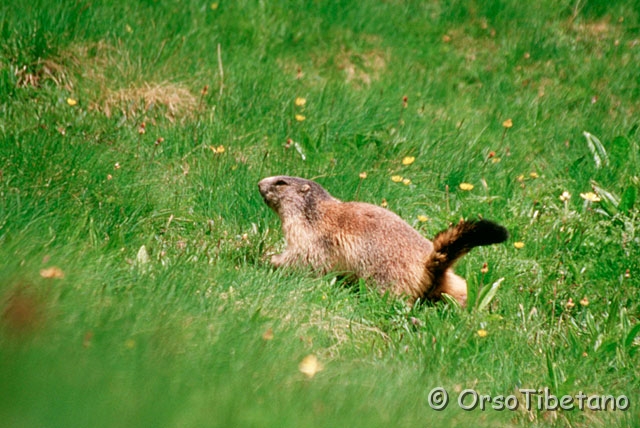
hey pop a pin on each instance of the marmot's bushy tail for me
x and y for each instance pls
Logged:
(453, 243)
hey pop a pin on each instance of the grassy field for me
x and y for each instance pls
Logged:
(135, 288)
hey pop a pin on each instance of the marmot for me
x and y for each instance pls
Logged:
(370, 242)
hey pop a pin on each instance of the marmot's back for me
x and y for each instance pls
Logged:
(373, 242)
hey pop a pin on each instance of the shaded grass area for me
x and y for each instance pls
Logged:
(132, 137)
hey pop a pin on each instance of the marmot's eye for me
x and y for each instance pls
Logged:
(280, 183)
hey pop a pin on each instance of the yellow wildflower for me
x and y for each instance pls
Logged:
(584, 301)
(518, 244)
(406, 181)
(53, 272)
(408, 160)
(534, 175)
(507, 123)
(310, 365)
(423, 218)
(565, 196)
(466, 186)
(397, 178)
(482, 332)
(72, 101)
(590, 196)
(300, 102)
(300, 117)
(363, 175)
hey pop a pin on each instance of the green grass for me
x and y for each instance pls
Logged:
(179, 340)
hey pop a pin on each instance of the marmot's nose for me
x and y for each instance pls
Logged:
(262, 186)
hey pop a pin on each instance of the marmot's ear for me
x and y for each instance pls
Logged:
(305, 188)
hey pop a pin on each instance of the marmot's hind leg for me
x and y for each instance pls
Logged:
(452, 284)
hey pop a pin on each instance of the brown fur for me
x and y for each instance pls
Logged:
(370, 242)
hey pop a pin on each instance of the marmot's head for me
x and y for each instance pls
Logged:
(292, 196)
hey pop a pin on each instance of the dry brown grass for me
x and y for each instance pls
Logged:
(594, 29)
(91, 70)
(172, 100)
(46, 70)
(599, 34)
(101, 67)
(362, 68)
(359, 68)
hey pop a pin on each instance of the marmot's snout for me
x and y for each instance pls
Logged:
(263, 186)
(269, 190)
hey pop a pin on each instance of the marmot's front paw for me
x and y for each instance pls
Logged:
(278, 260)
